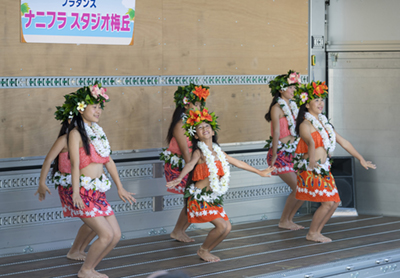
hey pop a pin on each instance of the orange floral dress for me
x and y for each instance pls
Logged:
(311, 186)
(201, 211)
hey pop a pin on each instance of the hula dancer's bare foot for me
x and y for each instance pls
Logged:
(207, 256)
(318, 238)
(181, 236)
(325, 239)
(290, 225)
(88, 273)
(100, 275)
(77, 256)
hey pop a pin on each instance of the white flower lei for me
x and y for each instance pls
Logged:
(98, 139)
(289, 148)
(101, 184)
(329, 141)
(299, 163)
(174, 159)
(288, 114)
(218, 186)
(63, 180)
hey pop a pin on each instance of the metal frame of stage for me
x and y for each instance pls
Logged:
(362, 247)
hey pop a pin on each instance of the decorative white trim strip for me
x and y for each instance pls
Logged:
(134, 81)
(254, 161)
(236, 195)
(20, 180)
(54, 215)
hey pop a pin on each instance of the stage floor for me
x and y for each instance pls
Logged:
(250, 249)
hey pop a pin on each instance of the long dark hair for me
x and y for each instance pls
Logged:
(194, 148)
(274, 101)
(300, 117)
(63, 131)
(78, 122)
(176, 117)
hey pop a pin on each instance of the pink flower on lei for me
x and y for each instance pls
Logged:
(103, 93)
(294, 78)
(95, 91)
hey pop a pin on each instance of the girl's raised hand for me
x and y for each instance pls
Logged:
(367, 164)
(42, 189)
(267, 172)
(126, 196)
(173, 183)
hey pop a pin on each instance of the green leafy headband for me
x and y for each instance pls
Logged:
(307, 92)
(78, 101)
(281, 82)
(191, 94)
(195, 117)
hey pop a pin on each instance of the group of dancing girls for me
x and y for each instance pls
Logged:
(300, 148)
(299, 153)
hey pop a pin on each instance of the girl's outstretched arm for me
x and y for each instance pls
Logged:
(57, 147)
(351, 150)
(188, 167)
(243, 165)
(122, 193)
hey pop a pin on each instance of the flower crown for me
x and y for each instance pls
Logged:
(307, 92)
(281, 82)
(78, 101)
(195, 117)
(191, 94)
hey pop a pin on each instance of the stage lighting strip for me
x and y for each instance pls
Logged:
(134, 81)
(226, 249)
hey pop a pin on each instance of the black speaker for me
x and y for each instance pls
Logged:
(343, 172)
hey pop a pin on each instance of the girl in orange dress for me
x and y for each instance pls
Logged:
(179, 150)
(318, 141)
(211, 179)
(281, 146)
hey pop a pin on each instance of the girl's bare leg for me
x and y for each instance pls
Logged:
(87, 241)
(75, 253)
(327, 217)
(112, 220)
(179, 232)
(292, 204)
(320, 215)
(214, 237)
(105, 232)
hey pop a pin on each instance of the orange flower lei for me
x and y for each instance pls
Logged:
(201, 92)
(195, 117)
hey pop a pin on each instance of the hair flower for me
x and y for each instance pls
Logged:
(304, 97)
(78, 101)
(281, 82)
(81, 106)
(307, 92)
(191, 94)
(195, 117)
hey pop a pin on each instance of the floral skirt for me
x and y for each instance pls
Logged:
(283, 163)
(171, 174)
(316, 188)
(202, 212)
(95, 203)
